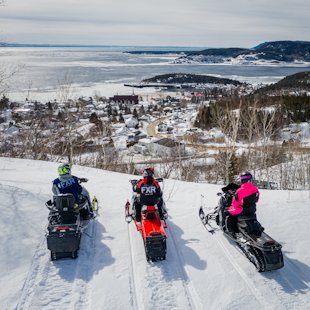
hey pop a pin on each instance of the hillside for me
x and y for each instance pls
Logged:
(202, 271)
(182, 78)
(296, 82)
(271, 52)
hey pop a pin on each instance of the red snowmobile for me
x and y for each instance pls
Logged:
(152, 228)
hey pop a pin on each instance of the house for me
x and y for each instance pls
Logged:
(131, 122)
(167, 147)
(145, 146)
(162, 127)
(131, 99)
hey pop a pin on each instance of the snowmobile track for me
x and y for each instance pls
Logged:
(81, 287)
(133, 281)
(190, 291)
(259, 297)
(38, 268)
(274, 297)
(62, 283)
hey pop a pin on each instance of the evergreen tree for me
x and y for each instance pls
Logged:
(4, 102)
(135, 113)
(141, 111)
(121, 118)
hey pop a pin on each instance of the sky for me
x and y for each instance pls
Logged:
(205, 23)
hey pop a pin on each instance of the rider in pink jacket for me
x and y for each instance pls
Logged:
(246, 197)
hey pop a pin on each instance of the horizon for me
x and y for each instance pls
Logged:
(17, 44)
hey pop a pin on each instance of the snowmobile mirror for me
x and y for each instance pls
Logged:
(159, 179)
(219, 194)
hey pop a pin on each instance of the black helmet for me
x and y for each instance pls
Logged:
(148, 172)
(245, 177)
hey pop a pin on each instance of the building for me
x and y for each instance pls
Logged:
(168, 147)
(130, 99)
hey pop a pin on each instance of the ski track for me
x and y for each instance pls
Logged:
(133, 281)
(165, 284)
(60, 284)
(191, 294)
(249, 283)
(277, 282)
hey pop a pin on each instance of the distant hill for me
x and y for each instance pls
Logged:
(182, 78)
(277, 51)
(297, 82)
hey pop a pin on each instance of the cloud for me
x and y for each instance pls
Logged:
(161, 22)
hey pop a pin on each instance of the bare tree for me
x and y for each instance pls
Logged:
(65, 95)
(229, 122)
(266, 131)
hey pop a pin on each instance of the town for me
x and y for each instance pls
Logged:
(175, 130)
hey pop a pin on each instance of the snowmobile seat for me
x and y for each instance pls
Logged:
(247, 217)
(250, 226)
(150, 216)
(64, 203)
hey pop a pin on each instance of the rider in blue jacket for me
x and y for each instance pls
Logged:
(69, 184)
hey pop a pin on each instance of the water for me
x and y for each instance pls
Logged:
(106, 69)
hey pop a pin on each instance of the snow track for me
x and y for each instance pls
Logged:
(256, 293)
(191, 294)
(161, 284)
(61, 284)
(275, 289)
(133, 281)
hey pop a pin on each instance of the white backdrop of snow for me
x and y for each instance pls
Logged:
(202, 271)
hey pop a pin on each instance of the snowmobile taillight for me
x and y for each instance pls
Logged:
(62, 228)
(155, 233)
(270, 242)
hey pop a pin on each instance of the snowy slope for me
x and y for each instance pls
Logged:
(202, 271)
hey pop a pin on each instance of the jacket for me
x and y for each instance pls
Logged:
(245, 199)
(67, 184)
(150, 192)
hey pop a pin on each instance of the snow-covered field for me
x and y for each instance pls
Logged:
(202, 271)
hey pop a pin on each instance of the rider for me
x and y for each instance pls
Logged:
(69, 184)
(149, 193)
(243, 207)
(245, 198)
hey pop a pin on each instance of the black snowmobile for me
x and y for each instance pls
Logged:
(248, 234)
(66, 222)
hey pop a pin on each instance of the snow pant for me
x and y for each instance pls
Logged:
(85, 210)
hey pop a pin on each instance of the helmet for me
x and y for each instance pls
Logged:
(245, 177)
(148, 172)
(64, 169)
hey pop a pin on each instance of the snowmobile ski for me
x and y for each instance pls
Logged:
(205, 221)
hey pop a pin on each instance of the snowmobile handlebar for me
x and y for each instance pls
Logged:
(135, 181)
(83, 180)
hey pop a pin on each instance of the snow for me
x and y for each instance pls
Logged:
(202, 271)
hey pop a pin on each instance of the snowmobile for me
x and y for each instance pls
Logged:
(151, 227)
(262, 250)
(66, 223)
